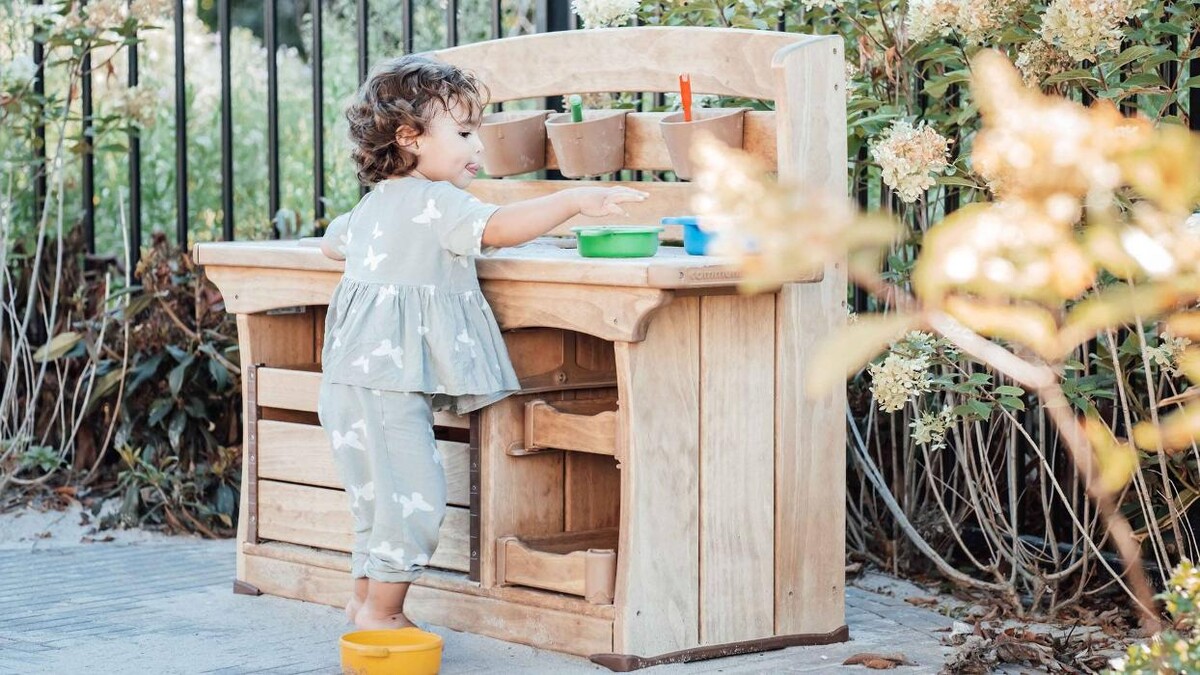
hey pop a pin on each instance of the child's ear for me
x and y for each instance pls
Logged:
(406, 137)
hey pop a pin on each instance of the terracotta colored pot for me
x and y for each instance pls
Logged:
(591, 147)
(514, 142)
(724, 124)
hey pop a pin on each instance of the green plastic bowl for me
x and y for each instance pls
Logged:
(617, 242)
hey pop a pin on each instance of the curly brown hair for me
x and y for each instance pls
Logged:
(408, 90)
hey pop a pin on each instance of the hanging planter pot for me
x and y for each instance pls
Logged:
(591, 147)
(724, 124)
(514, 142)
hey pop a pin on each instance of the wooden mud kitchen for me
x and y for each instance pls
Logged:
(663, 488)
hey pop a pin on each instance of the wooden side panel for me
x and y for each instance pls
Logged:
(658, 576)
(269, 340)
(320, 517)
(300, 453)
(592, 492)
(737, 458)
(540, 627)
(519, 495)
(810, 452)
(289, 388)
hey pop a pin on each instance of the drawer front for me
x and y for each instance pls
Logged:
(320, 517)
(575, 563)
(300, 453)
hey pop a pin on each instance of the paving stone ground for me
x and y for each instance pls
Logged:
(155, 604)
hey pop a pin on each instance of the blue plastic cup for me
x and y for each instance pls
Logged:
(695, 240)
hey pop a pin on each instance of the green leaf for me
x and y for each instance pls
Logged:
(1134, 53)
(1080, 75)
(1009, 390)
(937, 86)
(1012, 403)
(57, 346)
(176, 427)
(159, 410)
(175, 377)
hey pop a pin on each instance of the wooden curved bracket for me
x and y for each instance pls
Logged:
(612, 314)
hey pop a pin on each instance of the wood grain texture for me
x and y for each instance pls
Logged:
(300, 453)
(453, 605)
(724, 61)
(519, 495)
(620, 315)
(320, 517)
(265, 340)
(658, 576)
(737, 460)
(810, 449)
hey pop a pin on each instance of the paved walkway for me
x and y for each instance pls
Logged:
(165, 605)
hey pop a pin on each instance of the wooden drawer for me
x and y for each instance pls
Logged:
(297, 387)
(300, 453)
(582, 425)
(320, 517)
(575, 563)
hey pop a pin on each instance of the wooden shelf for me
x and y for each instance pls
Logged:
(575, 563)
(581, 425)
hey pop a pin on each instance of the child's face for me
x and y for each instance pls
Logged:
(450, 148)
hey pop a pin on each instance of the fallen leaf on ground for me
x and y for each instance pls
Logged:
(922, 601)
(878, 661)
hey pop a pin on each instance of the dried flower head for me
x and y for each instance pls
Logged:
(1038, 59)
(897, 379)
(104, 15)
(1086, 28)
(973, 20)
(930, 428)
(909, 156)
(150, 11)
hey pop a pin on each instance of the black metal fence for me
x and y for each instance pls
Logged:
(550, 15)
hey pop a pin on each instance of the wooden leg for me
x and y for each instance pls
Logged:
(658, 558)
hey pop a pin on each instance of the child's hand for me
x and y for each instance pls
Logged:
(598, 201)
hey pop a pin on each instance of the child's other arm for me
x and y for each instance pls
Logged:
(519, 222)
(333, 244)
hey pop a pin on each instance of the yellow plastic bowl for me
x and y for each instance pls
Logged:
(410, 651)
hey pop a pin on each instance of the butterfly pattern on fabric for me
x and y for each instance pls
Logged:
(385, 348)
(364, 492)
(410, 503)
(430, 214)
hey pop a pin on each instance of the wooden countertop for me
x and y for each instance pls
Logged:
(671, 268)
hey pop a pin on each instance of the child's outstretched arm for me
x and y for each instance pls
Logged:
(519, 222)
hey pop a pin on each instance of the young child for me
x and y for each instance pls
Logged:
(408, 331)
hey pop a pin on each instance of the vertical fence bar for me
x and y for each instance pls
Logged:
(88, 159)
(451, 23)
(135, 172)
(318, 95)
(1194, 92)
(39, 131)
(363, 34)
(408, 14)
(223, 27)
(497, 20)
(271, 36)
(181, 195)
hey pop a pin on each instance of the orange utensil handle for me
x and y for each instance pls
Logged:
(685, 94)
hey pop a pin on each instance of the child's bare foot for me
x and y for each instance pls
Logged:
(366, 621)
(358, 598)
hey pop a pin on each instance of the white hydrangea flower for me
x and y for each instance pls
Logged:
(104, 14)
(1086, 28)
(930, 428)
(928, 19)
(831, 4)
(151, 11)
(602, 13)
(1166, 355)
(897, 379)
(18, 73)
(908, 156)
